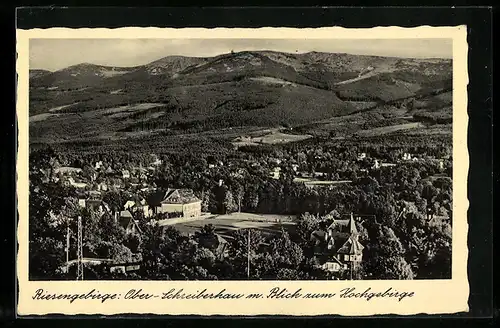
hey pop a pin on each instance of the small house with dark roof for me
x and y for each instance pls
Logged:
(217, 244)
(175, 201)
(126, 221)
(98, 206)
(138, 204)
(126, 174)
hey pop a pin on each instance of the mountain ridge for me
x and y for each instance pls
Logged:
(267, 88)
(314, 54)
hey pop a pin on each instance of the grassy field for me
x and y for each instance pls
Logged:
(41, 117)
(270, 139)
(389, 129)
(225, 224)
(438, 129)
(130, 108)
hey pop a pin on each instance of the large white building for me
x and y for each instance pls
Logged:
(176, 201)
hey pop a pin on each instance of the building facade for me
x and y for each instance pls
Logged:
(181, 202)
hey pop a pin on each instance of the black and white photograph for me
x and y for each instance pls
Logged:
(240, 159)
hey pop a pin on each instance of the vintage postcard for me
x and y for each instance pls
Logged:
(270, 171)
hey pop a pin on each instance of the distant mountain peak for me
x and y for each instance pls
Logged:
(34, 73)
(81, 65)
(171, 65)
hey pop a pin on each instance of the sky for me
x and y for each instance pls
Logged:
(55, 54)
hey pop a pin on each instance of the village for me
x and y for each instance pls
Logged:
(336, 246)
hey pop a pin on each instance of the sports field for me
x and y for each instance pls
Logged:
(224, 224)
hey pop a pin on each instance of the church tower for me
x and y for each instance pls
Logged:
(351, 251)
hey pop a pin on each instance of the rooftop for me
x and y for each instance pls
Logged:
(172, 196)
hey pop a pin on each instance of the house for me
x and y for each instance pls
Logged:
(129, 204)
(362, 156)
(378, 164)
(87, 262)
(407, 157)
(275, 173)
(222, 249)
(102, 186)
(75, 184)
(67, 170)
(319, 174)
(138, 205)
(343, 239)
(98, 165)
(338, 247)
(126, 221)
(82, 202)
(333, 265)
(126, 174)
(94, 194)
(98, 206)
(181, 201)
(217, 244)
(124, 267)
(276, 161)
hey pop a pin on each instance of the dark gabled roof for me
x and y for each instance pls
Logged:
(352, 246)
(333, 259)
(172, 196)
(318, 236)
(125, 222)
(179, 196)
(126, 214)
(216, 242)
(347, 226)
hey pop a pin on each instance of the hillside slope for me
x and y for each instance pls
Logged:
(179, 94)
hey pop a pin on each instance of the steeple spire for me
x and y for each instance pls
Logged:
(352, 226)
